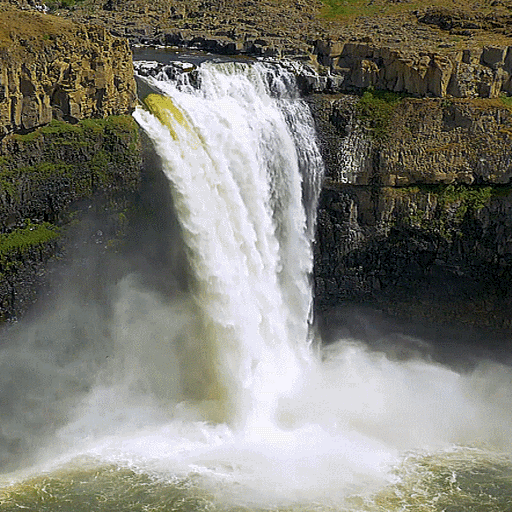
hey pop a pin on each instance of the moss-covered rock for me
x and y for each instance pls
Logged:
(47, 179)
(41, 173)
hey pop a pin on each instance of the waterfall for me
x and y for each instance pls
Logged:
(238, 147)
(210, 397)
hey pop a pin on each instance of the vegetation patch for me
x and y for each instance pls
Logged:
(94, 154)
(346, 8)
(473, 198)
(24, 239)
(448, 207)
(83, 131)
(350, 9)
(507, 101)
(375, 108)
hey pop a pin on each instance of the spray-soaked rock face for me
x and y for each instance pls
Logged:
(415, 211)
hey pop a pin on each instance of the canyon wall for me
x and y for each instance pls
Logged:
(68, 146)
(470, 72)
(51, 68)
(416, 212)
(422, 52)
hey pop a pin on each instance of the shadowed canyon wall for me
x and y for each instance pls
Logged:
(418, 220)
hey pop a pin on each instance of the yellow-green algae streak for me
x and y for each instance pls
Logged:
(164, 109)
(172, 117)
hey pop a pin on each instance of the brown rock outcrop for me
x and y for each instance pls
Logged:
(53, 172)
(54, 68)
(485, 73)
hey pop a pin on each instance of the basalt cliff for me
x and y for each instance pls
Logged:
(67, 142)
(55, 69)
(418, 219)
(412, 111)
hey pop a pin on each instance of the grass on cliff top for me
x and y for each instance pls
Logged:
(31, 29)
(116, 124)
(350, 9)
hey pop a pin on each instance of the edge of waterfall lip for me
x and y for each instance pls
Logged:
(307, 79)
(166, 54)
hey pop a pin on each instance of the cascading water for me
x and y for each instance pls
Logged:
(214, 399)
(228, 148)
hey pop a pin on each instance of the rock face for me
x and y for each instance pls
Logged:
(425, 141)
(419, 221)
(49, 180)
(485, 72)
(51, 68)
(67, 143)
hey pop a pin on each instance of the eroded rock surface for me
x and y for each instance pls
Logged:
(51, 68)
(419, 221)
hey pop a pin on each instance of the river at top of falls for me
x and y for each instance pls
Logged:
(217, 398)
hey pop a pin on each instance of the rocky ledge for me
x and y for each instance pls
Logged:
(52, 68)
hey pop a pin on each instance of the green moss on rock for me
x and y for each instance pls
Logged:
(441, 208)
(49, 180)
(24, 239)
(375, 108)
(63, 162)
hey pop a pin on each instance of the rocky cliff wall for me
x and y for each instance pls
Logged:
(461, 73)
(51, 68)
(67, 144)
(50, 180)
(416, 212)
